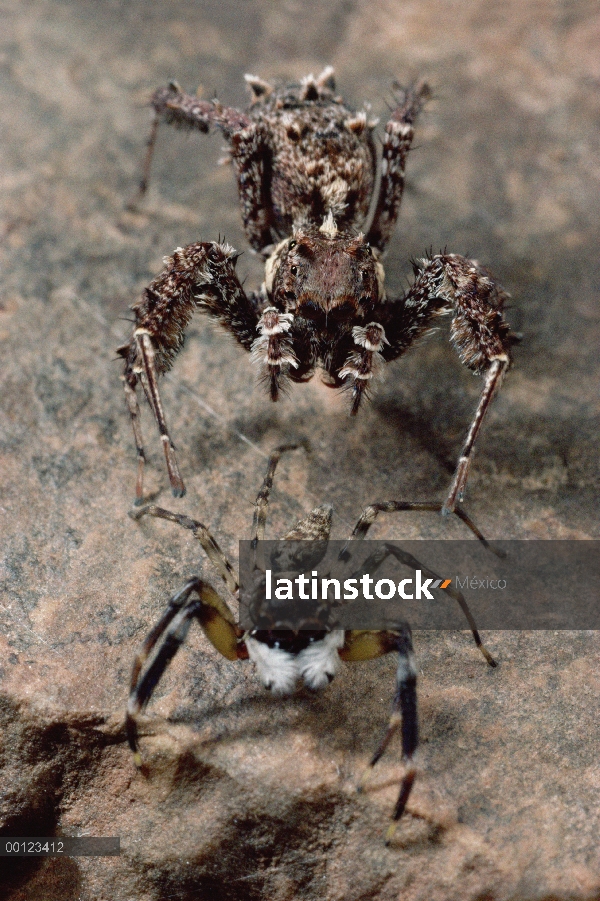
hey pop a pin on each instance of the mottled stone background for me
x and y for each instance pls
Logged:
(246, 797)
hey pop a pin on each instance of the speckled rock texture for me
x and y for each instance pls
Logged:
(243, 796)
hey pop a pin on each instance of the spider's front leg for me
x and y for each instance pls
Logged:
(196, 600)
(451, 284)
(247, 145)
(197, 277)
(364, 645)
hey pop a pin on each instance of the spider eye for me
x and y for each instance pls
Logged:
(365, 275)
(292, 244)
(294, 270)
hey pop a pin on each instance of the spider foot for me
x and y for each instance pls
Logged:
(407, 784)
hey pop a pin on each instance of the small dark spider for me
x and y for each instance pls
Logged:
(306, 168)
(283, 657)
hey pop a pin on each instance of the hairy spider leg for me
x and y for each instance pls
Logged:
(493, 379)
(247, 147)
(370, 514)
(149, 379)
(197, 277)
(448, 284)
(273, 348)
(399, 133)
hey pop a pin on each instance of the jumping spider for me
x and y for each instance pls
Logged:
(306, 172)
(282, 657)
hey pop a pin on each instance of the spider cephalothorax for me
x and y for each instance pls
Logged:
(305, 165)
(323, 275)
(310, 652)
(323, 289)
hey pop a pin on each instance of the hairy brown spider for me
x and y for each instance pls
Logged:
(282, 657)
(306, 171)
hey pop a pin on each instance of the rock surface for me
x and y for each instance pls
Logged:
(245, 797)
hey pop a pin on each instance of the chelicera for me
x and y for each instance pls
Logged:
(283, 657)
(306, 171)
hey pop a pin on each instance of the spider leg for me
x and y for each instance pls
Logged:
(149, 378)
(363, 645)
(197, 277)
(368, 517)
(133, 202)
(458, 596)
(166, 638)
(129, 383)
(313, 528)
(209, 545)
(370, 514)
(262, 499)
(493, 379)
(366, 645)
(451, 284)
(399, 133)
(247, 144)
